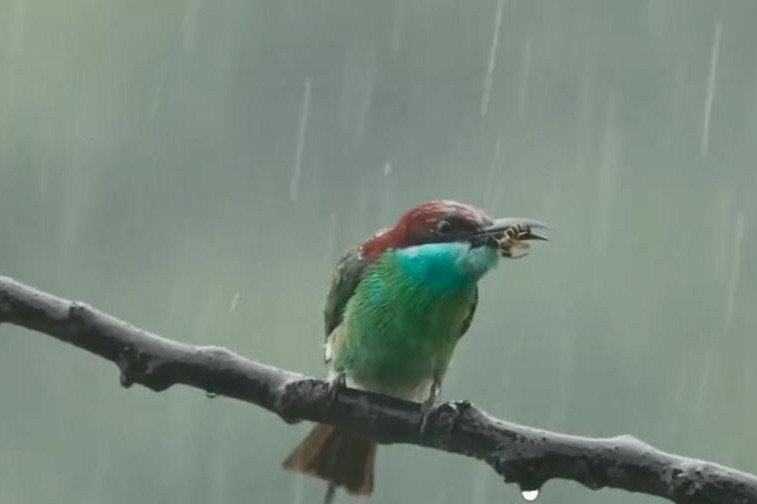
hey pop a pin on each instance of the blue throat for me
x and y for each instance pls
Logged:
(449, 266)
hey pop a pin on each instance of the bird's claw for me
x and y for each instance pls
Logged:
(426, 408)
(429, 404)
(336, 383)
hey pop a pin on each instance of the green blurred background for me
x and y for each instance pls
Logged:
(197, 167)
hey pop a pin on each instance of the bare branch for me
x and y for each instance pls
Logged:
(523, 455)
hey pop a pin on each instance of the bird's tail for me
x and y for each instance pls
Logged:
(339, 457)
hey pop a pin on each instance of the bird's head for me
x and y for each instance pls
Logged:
(440, 221)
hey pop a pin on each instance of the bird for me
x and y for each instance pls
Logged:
(397, 306)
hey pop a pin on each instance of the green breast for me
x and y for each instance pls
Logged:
(402, 323)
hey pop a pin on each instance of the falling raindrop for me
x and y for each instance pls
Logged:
(331, 238)
(158, 95)
(530, 495)
(607, 179)
(492, 59)
(735, 272)
(234, 302)
(525, 79)
(302, 128)
(398, 26)
(491, 176)
(190, 24)
(18, 26)
(715, 52)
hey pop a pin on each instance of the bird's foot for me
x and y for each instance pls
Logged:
(428, 405)
(337, 382)
(426, 408)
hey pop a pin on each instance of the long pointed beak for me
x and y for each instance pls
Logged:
(522, 226)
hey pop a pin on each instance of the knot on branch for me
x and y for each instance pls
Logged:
(301, 396)
(520, 459)
(215, 358)
(687, 480)
(79, 313)
(140, 367)
(517, 467)
(80, 320)
(447, 418)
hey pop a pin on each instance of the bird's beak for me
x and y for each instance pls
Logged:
(519, 227)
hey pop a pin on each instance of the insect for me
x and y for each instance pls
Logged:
(513, 243)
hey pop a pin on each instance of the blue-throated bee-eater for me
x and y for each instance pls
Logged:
(397, 307)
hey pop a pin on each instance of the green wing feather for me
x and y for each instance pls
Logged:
(349, 272)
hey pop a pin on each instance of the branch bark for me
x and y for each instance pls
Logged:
(523, 455)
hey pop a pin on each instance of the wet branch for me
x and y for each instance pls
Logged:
(523, 455)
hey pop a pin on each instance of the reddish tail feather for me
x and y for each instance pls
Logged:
(341, 458)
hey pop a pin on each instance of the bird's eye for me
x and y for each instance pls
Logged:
(443, 227)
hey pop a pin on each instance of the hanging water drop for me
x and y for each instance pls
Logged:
(530, 495)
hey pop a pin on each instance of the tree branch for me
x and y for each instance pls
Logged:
(523, 455)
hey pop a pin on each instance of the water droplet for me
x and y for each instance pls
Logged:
(530, 495)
